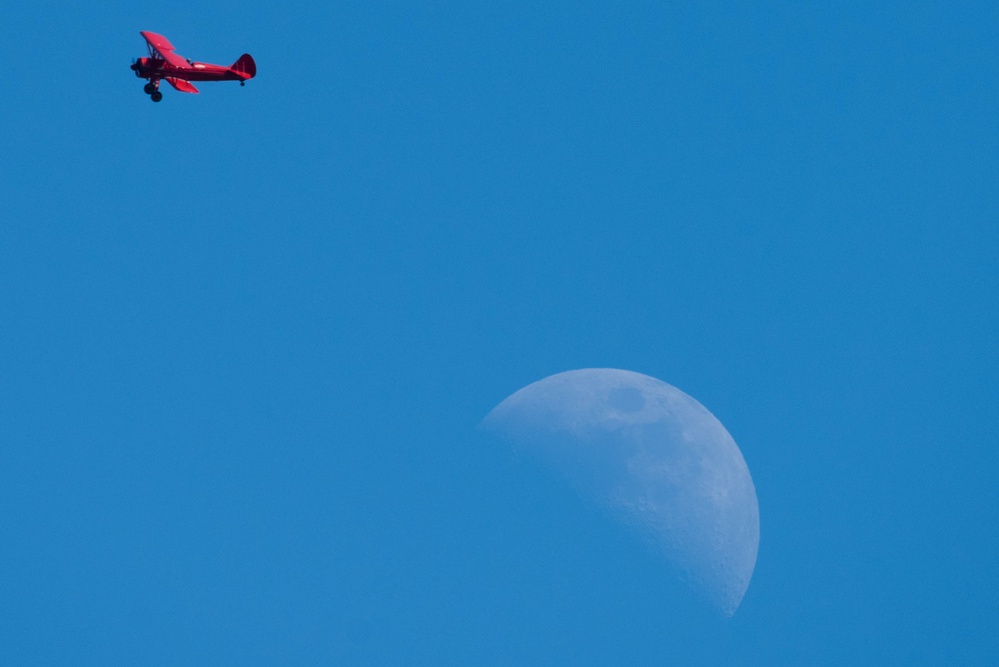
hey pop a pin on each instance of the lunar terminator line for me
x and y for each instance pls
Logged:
(164, 63)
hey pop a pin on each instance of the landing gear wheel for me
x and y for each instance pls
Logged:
(156, 96)
(149, 89)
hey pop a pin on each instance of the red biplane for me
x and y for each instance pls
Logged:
(179, 72)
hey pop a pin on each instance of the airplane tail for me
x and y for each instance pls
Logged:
(245, 67)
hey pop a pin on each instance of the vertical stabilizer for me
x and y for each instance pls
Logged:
(245, 67)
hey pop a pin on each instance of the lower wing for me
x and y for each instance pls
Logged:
(181, 85)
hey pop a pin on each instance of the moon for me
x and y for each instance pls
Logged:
(656, 459)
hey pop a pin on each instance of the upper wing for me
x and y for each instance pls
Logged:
(164, 49)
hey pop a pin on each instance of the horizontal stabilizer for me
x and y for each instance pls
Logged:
(181, 85)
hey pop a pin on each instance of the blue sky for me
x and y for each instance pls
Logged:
(246, 336)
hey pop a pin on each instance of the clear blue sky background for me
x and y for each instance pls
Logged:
(246, 336)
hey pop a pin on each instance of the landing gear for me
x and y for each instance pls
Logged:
(153, 90)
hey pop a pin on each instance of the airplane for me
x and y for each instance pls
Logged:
(164, 64)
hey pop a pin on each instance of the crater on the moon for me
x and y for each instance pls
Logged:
(626, 399)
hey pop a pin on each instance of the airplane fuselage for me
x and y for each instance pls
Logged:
(153, 68)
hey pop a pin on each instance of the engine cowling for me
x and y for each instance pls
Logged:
(139, 66)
